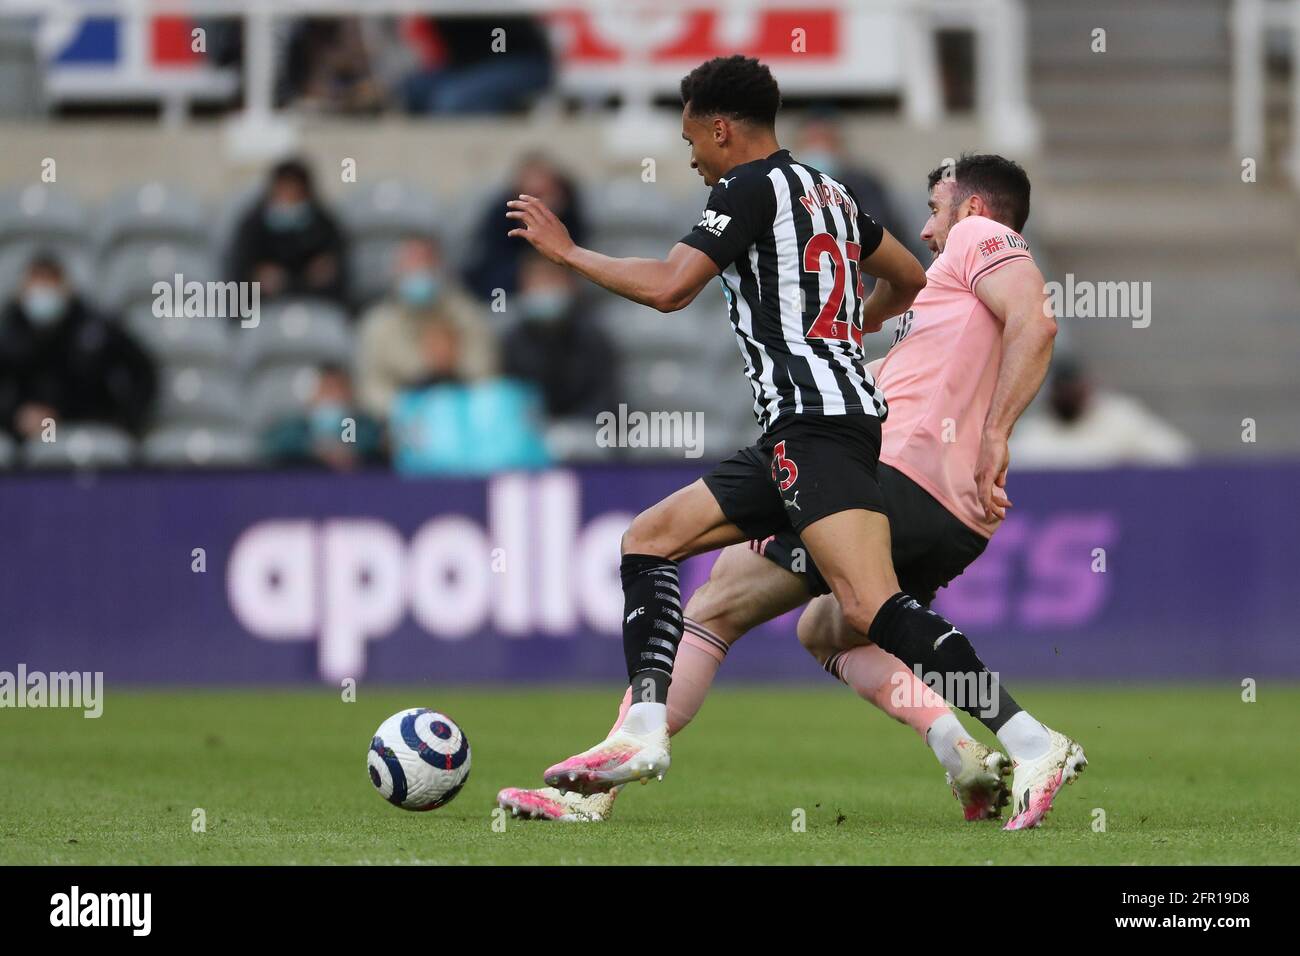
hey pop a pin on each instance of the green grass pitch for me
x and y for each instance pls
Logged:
(1184, 775)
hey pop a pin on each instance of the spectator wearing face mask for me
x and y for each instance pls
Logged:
(393, 331)
(332, 432)
(289, 241)
(1086, 427)
(60, 361)
(820, 144)
(557, 346)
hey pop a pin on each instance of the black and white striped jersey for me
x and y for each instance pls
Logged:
(788, 240)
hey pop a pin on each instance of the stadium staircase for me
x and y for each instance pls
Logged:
(1138, 181)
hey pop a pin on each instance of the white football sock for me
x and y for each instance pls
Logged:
(942, 737)
(1024, 737)
(644, 718)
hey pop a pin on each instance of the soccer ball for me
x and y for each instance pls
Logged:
(418, 759)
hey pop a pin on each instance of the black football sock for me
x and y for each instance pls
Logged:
(652, 624)
(930, 645)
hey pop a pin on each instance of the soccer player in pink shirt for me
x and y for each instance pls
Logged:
(967, 358)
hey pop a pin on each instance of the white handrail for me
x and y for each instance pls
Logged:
(998, 25)
(1252, 20)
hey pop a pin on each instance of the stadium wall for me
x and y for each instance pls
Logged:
(236, 578)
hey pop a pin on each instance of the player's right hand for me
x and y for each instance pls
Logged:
(991, 476)
(541, 227)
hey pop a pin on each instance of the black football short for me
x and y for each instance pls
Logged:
(804, 468)
(930, 546)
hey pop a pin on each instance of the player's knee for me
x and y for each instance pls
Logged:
(823, 630)
(858, 614)
(643, 535)
(812, 635)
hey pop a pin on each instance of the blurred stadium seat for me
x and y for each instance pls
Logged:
(42, 218)
(183, 446)
(127, 274)
(390, 207)
(297, 332)
(42, 213)
(180, 340)
(149, 212)
(88, 446)
(200, 396)
(279, 392)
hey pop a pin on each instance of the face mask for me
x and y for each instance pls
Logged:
(419, 288)
(823, 161)
(44, 304)
(283, 218)
(327, 421)
(546, 305)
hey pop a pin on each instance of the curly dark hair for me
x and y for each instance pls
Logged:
(738, 87)
(1002, 183)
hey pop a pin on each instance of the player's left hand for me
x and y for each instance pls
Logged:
(991, 476)
(540, 226)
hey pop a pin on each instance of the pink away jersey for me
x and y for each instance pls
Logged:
(938, 377)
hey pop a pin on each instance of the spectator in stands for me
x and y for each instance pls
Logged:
(495, 260)
(476, 64)
(445, 425)
(289, 241)
(327, 65)
(821, 145)
(557, 346)
(1088, 428)
(61, 361)
(332, 432)
(392, 332)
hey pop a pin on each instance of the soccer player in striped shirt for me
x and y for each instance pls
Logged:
(790, 245)
(966, 360)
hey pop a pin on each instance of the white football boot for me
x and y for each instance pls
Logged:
(620, 758)
(548, 803)
(981, 786)
(1035, 783)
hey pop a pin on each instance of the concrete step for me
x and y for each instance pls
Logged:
(1089, 164)
(1170, 215)
(1205, 132)
(1208, 89)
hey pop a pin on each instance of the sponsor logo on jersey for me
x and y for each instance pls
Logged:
(714, 222)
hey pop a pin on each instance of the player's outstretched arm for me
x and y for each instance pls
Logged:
(1016, 295)
(899, 279)
(664, 284)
